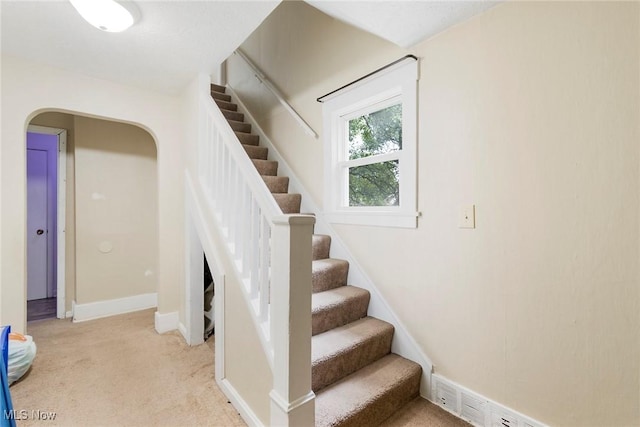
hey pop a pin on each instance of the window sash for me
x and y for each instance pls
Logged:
(377, 158)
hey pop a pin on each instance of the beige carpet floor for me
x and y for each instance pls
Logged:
(119, 372)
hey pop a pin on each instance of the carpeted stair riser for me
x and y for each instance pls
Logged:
(220, 96)
(337, 307)
(321, 244)
(240, 126)
(342, 351)
(233, 115)
(369, 396)
(266, 167)
(328, 274)
(224, 105)
(289, 203)
(277, 184)
(218, 88)
(357, 381)
(256, 152)
(247, 138)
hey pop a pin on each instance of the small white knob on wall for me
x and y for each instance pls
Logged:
(105, 247)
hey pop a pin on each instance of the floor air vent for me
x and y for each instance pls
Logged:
(446, 396)
(475, 408)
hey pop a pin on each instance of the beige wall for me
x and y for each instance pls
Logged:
(530, 112)
(29, 89)
(116, 210)
(66, 121)
(116, 179)
(304, 52)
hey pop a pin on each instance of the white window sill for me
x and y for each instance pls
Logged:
(381, 219)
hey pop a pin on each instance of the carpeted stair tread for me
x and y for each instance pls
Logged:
(224, 105)
(247, 138)
(240, 126)
(277, 184)
(289, 203)
(342, 351)
(336, 307)
(220, 96)
(256, 152)
(369, 396)
(218, 88)
(321, 245)
(328, 274)
(233, 115)
(266, 167)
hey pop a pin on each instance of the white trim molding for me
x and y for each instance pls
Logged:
(99, 309)
(165, 322)
(243, 408)
(183, 330)
(61, 226)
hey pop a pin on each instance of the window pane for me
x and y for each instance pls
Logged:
(379, 132)
(374, 185)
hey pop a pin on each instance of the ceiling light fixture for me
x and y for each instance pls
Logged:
(106, 15)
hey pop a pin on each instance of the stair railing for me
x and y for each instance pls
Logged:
(279, 96)
(271, 253)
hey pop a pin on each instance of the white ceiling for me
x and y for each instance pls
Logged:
(173, 41)
(176, 39)
(404, 23)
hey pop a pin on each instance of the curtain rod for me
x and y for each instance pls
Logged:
(415, 58)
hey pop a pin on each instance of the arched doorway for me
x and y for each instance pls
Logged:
(111, 217)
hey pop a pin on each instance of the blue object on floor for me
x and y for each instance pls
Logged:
(4, 345)
(7, 416)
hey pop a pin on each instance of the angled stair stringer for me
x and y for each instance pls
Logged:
(205, 226)
(403, 343)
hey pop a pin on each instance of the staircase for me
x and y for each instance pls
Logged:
(356, 378)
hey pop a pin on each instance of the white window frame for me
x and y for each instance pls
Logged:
(395, 85)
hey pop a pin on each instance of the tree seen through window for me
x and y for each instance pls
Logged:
(375, 134)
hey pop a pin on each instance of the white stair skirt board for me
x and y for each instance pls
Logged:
(241, 406)
(98, 309)
(166, 322)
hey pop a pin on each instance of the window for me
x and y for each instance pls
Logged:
(370, 150)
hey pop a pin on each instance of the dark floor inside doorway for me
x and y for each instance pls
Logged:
(39, 309)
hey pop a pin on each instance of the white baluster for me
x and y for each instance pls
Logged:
(265, 261)
(255, 247)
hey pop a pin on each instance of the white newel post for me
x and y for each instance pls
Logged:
(292, 400)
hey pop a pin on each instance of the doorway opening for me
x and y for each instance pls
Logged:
(46, 181)
(209, 307)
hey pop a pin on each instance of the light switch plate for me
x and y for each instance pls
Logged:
(467, 218)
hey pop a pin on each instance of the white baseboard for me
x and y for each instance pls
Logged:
(98, 309)
(183, 331)
(239, 403)
(68, 314)
(475, 408)
(166, 322)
